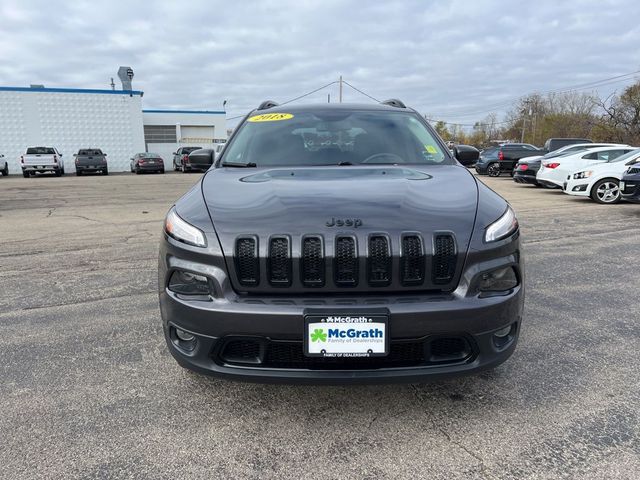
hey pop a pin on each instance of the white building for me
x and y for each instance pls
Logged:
(167, 130)
(112, 120)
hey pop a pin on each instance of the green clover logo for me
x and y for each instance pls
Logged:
(318, 335)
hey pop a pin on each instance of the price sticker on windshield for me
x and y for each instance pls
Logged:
(271, 117)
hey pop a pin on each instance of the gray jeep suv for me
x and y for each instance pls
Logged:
(340, 244)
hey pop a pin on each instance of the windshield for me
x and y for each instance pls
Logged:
(627, 156)
(40, 151)
(334, 137)
(89, 152)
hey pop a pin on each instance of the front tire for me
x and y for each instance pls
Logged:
(58, 172)
(5, 170)
(493, 170)
(606, 191)
(106, 171)
(25, 174)
(78, 173)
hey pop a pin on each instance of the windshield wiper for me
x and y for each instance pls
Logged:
(239, 165)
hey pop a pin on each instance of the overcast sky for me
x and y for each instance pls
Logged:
(454, 60)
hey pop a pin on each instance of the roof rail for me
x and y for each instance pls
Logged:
(267, 104)
(394, 102)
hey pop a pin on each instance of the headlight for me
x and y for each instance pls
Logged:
(579, 175)
(182, 231)
(500, 280)
(503, 227)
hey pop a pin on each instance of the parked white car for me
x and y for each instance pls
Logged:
(41, 159)
(554, 172)
(601, 181)
(5, 168)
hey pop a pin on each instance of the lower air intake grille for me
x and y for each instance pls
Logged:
(444, 259)
(346, 262)
(312, 262)
(279, 264)
(247, 261)
(412, 260)
(379, 261)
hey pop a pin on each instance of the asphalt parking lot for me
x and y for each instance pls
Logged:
(89, 390)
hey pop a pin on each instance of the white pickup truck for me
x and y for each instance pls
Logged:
(41, 159)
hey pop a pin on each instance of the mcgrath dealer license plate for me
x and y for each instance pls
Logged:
(346, 335)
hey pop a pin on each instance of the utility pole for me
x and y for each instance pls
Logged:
(525, 112)
(340, 88)
(113, 85)
(328, 98)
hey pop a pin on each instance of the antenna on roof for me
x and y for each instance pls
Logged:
(394, 102)
(267, 104)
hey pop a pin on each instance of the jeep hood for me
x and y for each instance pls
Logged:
(308, 200)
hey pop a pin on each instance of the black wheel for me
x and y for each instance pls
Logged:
(161, 171)
(137, 171)
(58, 172)
(5, 170)
(106, 171)
(538, 185)
(493, 170)
(78, 173)
(606, 191)
(25, 174)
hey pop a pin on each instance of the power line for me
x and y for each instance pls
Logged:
(360, 91)
(296, 98)
(583, 86)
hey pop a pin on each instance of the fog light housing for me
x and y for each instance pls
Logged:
(503, 332)
(504, 336)
(184, 336)
(188, 283)
(501, 280)
(183, 339)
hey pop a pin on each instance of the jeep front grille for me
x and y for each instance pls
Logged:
(279, 263)
(412, 260)
(312, 269)
(444, 259)
(247, 265)
(346, 262)
(379, 261)
(353, 261)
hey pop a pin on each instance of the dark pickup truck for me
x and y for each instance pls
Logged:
(91, 160)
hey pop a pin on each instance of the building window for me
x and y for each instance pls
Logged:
(160, 134)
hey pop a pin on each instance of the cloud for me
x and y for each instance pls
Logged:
(451, 59)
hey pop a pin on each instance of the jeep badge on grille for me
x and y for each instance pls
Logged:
(344, 222)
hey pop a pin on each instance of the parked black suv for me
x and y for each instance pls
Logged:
(340, 243)
(181, 158)
(494, 161)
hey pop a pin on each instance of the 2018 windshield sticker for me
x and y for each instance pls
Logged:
(271, 117)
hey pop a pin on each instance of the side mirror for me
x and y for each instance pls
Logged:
(466, 154)
(174, 153)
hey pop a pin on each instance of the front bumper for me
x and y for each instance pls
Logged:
(580, 188)
(631, 191)
(277, 322)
